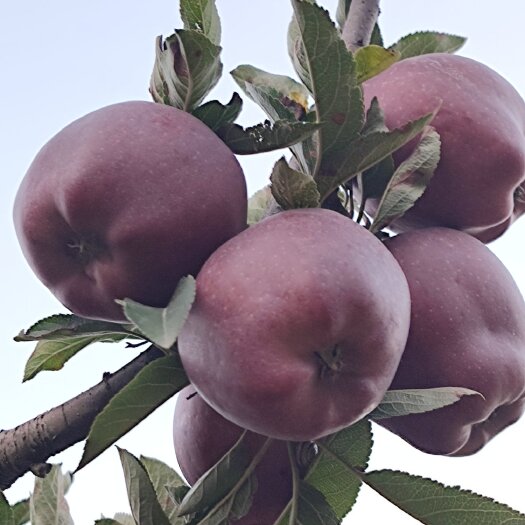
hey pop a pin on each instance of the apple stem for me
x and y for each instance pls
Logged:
(360, 21)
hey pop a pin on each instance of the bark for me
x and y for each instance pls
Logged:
(360, 22)
(28, 446)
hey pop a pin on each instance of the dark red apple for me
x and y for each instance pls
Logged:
(478, 186)
(125, 201)
(298, 325)
(201, 437)
(467, 330)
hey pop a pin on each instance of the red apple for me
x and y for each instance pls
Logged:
(201, 437)
(125, 201)
(478, 186)
(298, 325)
(467, 329)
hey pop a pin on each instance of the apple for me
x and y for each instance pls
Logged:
(467, 330)
(124, 202)
(201, 437)
(479, 185)
(298, 325)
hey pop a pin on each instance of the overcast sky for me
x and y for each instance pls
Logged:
(61, 59)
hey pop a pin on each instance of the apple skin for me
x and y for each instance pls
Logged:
(478, 186)
(201, 437)
(124, 202)
(467, 330)
(298, 325)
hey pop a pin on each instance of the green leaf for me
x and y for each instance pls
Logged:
(293, 189)
(425, 42)
(119, 519)
(163, 325)
(221, 492)
(48, 505)
(409, 180)
(372, 60)
(177, 494)
(331, 474)
(62, 326)
(143, 501)
(216, 115)
(6, 512)
(124, 519)
(202, 16)
(61, 336)
(312, 508)
(265, 137)
(233, 507)
(52, 355)
(20, 512)
(377, 37)
(366, 151)
(279, 96)
(332, 471)
(416, 401)
(375, 119)
(243, 499)
(161, 477)
(306, 151)
(328, 69)
(220, 480)
(432, 503)
(372, 182)
(187, 66)
(297, 52)
(150, 388)
(260, 205)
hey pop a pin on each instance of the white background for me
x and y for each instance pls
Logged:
(61, 59)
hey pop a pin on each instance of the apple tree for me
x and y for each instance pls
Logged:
(354, 287)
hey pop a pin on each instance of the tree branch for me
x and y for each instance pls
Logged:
(360, 21)
(28, 446)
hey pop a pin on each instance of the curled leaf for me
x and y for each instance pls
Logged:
(293, 189)
(409, 180)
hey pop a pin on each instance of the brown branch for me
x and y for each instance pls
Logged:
(28, 446)
(360, 21)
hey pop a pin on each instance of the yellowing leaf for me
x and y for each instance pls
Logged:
(372, 60)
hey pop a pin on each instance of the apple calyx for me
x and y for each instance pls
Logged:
(519, 194)
(85, 250)
(331, 362)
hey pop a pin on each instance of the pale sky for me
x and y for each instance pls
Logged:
(61, 59)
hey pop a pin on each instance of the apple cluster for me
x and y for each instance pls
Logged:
(303, 321)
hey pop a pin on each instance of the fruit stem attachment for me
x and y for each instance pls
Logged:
(360, 21)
